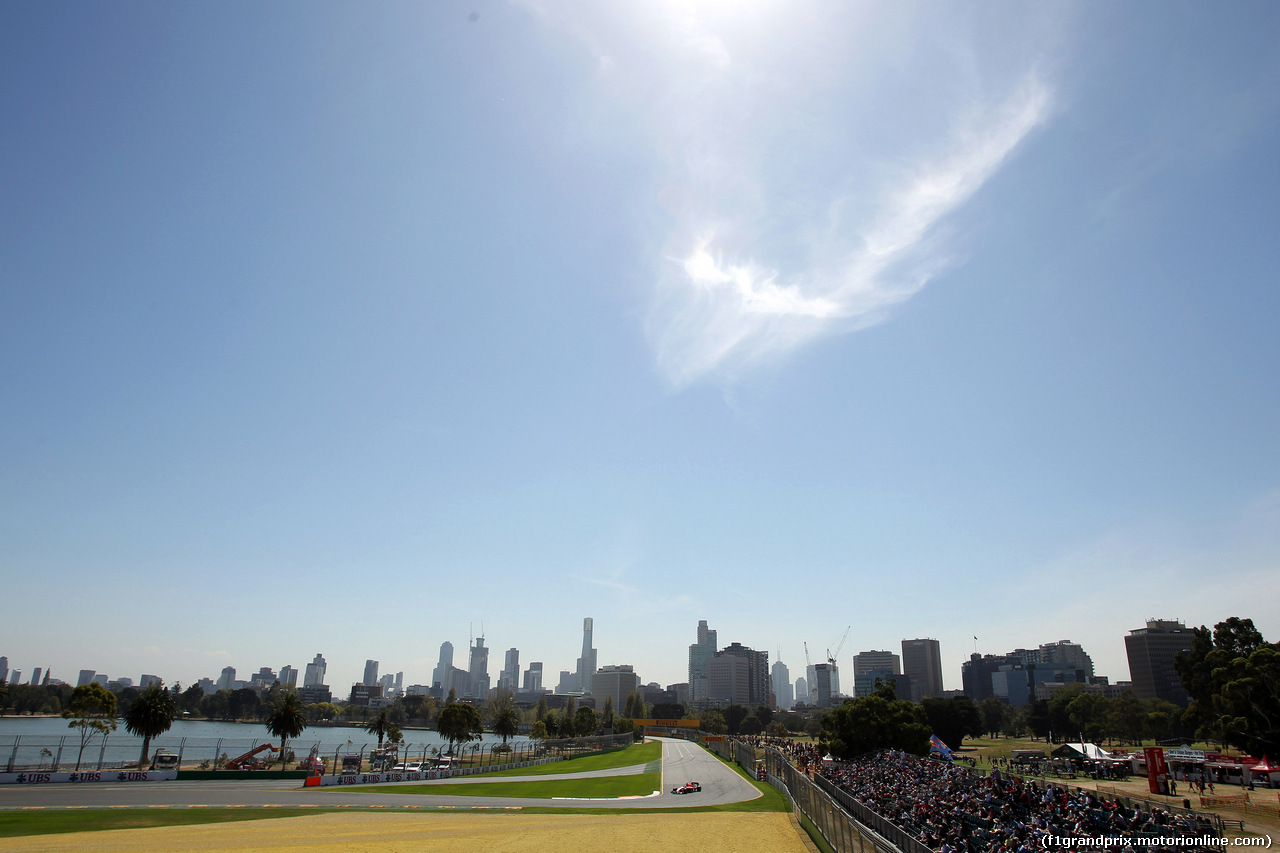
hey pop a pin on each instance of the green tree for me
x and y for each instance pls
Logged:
(287, 719)
(244, 704)
(712, 722)
(539, 730)
(585, 723)
(217, 706)
(541, 710)
(1037, 717)
(551, 722)
(379, 725)
(149, 715)
(1128, 717)
(733, 717)
(189, 701)
(420, 707)
(878, 721)
(991, 710)
(459, 723)
(751, 726)
(92, 711)
(606, 718)
(504, 717)
(1232, 676)
(953, 719)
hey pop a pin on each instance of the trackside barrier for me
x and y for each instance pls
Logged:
(838, 825)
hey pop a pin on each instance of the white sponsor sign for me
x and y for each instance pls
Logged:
(374, 778)
(1184, 755)
(39, 778)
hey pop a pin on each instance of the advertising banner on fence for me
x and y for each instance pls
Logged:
(373, 778)
(38, 777)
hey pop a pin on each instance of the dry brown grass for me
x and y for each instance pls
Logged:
(448, 833)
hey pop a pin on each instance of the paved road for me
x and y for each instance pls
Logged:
(681, 762)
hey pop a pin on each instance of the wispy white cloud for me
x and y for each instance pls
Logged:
(715, 313)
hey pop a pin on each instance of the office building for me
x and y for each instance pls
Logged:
(509, 678)
(288, 676)
(700, 654)
(616, 682)
(823, 689)
(314, 676)
(802, 691)
(782, 695)
(370, 673)
(227, 680)
(533, 677)
(440, 675)
(586, 663)
(147, 680)
(728, 680)
(876, 661)
(35, 676)
(758, 671)
(922, 663)
(479, 670)
(1151, 652)
(85, 677)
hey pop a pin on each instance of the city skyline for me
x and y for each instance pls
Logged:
(946, 322)
(1045, 651)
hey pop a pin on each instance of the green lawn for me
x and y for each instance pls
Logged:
(595, 787)
(49, 822)
(640, 753)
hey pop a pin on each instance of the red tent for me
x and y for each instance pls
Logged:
(1264, 766)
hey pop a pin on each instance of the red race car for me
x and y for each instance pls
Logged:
(687, 788)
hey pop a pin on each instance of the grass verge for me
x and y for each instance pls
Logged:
(640, 753)
(592, 788)
(15, 824)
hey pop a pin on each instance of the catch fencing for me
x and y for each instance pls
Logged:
(36, 753)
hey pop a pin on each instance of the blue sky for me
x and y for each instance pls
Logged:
(336, 328)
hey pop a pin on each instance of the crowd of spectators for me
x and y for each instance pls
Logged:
(953, 811)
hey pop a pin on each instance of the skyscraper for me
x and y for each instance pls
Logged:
(288, 676)
(757, 671)
(315, 672)
(440, 675)
(700, 653)
(1151, 651)
(370, 673)
(35, 676)
(782, 686)
(4, 668)
(479, 669)
(509, 678)
(533, 677)
(86, 677)
(226, 681)
(922, 663)
(822, 689)
(586, 663)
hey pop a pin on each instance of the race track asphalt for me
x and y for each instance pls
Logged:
(682, 762)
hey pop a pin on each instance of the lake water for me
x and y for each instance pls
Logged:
(24, 741)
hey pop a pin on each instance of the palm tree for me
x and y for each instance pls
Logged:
(151, 714)
(379, 726)
(504, 718)
(287, 719)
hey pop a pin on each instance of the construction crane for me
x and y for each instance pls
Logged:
(831, 658)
